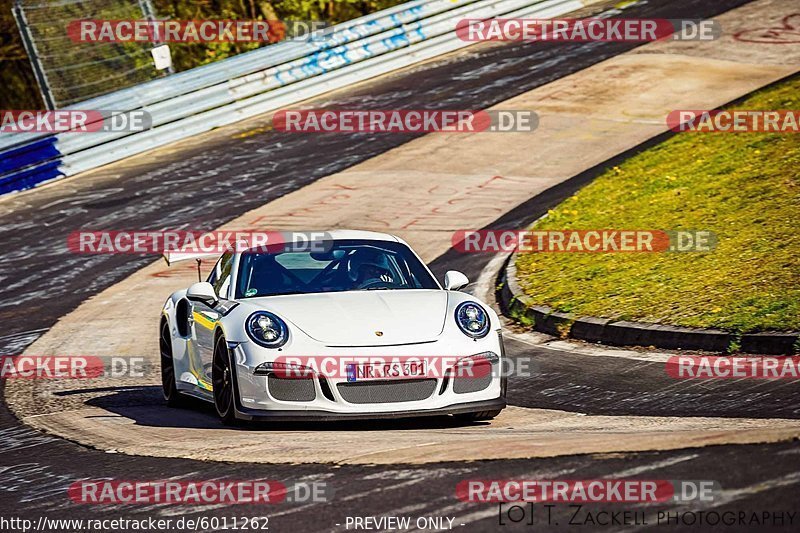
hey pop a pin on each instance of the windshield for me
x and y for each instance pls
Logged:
(346, 265)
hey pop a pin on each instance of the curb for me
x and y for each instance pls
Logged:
(520, 307)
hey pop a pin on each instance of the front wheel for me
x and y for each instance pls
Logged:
(222, 383)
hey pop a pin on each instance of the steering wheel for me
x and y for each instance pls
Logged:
(377, 283)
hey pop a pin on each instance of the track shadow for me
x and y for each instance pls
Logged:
(146, 407)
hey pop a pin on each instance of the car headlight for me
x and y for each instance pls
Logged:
(267, 330)
(472, 320)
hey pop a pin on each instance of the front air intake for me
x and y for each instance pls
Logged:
(387, 391)
(291, 389)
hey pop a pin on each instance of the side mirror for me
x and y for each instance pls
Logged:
(454, 280)
(202, 291)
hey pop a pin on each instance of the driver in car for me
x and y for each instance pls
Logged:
(367, 267)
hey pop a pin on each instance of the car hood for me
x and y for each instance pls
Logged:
(364, 318)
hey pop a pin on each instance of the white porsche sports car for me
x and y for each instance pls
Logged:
(355, 327)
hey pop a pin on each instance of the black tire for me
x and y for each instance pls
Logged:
(477, 416)
(222, 383)
(168, 386)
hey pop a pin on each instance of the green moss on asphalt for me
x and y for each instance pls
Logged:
(743, 187)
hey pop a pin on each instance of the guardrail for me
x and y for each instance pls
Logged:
(256, 82)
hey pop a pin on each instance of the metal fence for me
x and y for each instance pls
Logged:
(256, 82)
(69, 71)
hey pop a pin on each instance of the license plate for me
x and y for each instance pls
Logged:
(368, 371)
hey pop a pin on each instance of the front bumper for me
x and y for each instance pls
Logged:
(258, 415)
(331, 398)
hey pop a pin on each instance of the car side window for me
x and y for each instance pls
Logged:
(222, 275)
(214, 275)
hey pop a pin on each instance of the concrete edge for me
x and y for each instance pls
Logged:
(518, 306)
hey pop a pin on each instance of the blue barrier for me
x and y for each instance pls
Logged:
(28, 154)
(26, 166)
(30, 177)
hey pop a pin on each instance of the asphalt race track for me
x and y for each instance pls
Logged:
(208, 184)
(195, 186)
(39, 468)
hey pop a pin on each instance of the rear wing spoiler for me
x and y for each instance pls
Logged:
(176, 257)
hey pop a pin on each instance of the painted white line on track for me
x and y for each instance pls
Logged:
(481, 515)
(635, 471)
